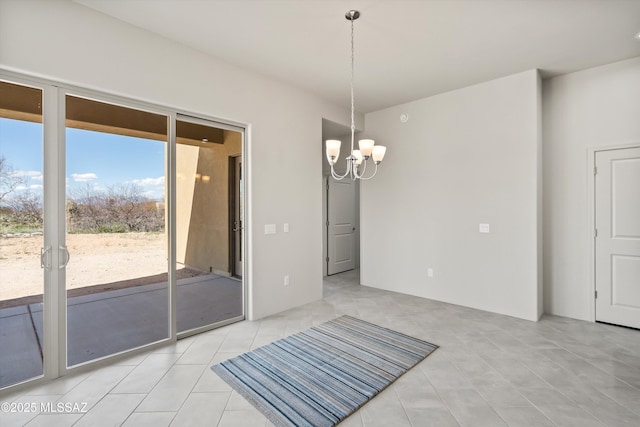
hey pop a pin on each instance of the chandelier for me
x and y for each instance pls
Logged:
(357, 159)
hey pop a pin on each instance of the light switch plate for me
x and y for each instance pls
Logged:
(484, 228)
(285, 228)
(269, 229)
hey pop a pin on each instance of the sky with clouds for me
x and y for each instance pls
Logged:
(93, 158)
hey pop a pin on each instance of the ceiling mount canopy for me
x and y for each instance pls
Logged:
(352, 15)
(357, 160)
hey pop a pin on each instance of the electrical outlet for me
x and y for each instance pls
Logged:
(429, 272)
(286, 280)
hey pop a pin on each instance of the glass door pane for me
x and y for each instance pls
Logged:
(207, 292)
(116, 277)
(21, 234)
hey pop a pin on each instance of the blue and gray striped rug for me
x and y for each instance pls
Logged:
(318, 377)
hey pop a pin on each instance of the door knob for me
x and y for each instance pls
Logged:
(45, 261)
(67, 256)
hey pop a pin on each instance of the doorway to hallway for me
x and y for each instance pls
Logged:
(341, 225)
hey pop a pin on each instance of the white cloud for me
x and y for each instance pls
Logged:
(155, 182)
(153, 187)
(84, 177)
(154, 195)
(37, 175)
(36, 187)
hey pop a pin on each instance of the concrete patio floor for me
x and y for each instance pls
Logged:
(110, 322)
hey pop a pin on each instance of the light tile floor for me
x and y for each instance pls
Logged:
(490, 370)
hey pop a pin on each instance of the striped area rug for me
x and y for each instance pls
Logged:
(318, 377)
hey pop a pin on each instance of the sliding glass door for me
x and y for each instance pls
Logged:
(209, 290)
(22, 248)
(117, 271)
(121, 226)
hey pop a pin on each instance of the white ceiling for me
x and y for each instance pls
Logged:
(405, 49)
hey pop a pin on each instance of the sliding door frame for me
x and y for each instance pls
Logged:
(63, 92)
(54, 198)
(49, 258)
(217, 123)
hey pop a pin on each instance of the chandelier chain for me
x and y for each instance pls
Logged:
(353, 123)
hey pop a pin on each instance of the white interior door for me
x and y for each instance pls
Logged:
(617, 242)
(341, 214)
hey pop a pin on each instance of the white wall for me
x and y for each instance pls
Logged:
(594, 108)
(67, 42)
(465, 157)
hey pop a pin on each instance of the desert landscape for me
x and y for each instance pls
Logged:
(98, 262)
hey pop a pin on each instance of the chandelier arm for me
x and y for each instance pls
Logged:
(375, 171)
(359, 175)
(364, 167)
(337, 176)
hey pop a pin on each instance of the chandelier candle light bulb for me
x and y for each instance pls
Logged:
(366, 146)
(333, 150)
(357, 159)
(378, 153)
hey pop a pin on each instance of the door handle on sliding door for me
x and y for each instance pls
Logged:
(64, 251)
(45, 261)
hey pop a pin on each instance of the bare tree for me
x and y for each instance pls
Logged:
(26, 209)
(9, 180)
(119, 208)
(87, 209)
(126, 203)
